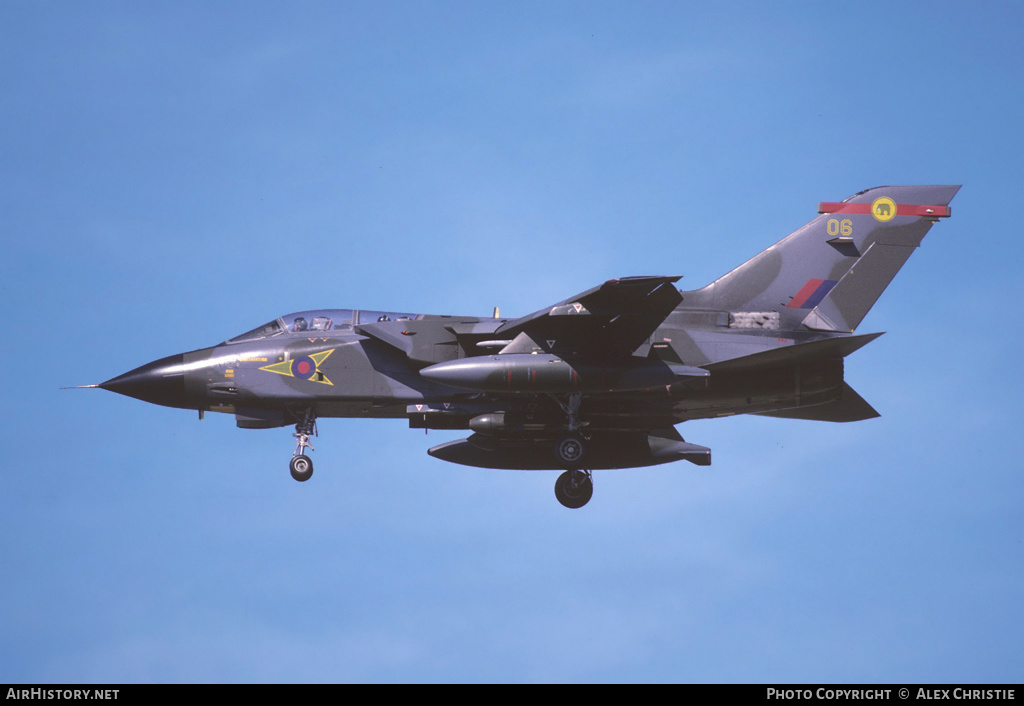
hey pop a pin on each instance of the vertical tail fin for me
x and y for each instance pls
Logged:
(828, 274)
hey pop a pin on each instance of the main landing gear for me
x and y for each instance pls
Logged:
(570, 449)
(574, 488)
(301, 465)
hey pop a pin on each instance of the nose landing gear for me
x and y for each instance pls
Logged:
(301, 465)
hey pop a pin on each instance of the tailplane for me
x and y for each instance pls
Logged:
(828, 274)
(849, 407)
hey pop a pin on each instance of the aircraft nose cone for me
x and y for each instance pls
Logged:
(160, 382)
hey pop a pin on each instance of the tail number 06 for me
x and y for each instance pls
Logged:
(837, 227)
(840, 227)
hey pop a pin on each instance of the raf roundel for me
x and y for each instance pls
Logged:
(303, 368)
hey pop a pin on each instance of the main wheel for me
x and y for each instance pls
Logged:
(301, 467)
(574, 489)
(570, 450)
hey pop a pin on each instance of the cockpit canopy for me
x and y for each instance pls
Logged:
(318, 320)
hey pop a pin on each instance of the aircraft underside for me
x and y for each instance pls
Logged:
(579, 433)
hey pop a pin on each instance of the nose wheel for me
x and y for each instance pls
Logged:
(301, 465)
(574, 489)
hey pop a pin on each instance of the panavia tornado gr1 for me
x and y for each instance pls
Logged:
(596, 381)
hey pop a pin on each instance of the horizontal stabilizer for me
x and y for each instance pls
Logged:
(839, 347)
(850, 407)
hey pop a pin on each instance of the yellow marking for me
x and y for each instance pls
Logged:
(837, 227)
(319, 359)
(282, 368)
(883, 209)
(285, 368)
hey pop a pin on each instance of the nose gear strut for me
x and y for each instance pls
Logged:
(301, 465)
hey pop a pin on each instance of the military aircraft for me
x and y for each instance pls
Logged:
(593, 382)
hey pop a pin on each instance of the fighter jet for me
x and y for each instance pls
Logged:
(596, 381)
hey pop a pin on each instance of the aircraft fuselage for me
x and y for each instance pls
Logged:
(344, 373)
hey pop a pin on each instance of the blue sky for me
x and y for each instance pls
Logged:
(172, 174)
